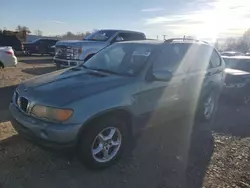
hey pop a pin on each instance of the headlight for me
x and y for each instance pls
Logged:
(76, 52)
(50, 113)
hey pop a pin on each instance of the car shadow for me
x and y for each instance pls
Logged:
(39, 70)
(160, 159)
(6, 94)
(236, 117)
(36, 60)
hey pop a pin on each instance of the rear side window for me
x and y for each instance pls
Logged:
(215, 60)
(198, 57)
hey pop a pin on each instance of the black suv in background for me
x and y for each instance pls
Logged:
(237, 78)
(13, 41)
(40, 46)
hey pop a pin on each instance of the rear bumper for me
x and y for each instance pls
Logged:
(67, 63)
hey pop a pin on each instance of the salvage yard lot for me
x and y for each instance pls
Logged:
(164, 156)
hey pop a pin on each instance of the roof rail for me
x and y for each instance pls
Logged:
(185, 39)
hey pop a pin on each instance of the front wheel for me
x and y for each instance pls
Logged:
(58, 66)
(103, 143)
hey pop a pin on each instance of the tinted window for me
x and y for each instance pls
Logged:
(215, 59)
(239, 64)
(198, 57)
(102, 35)
(171, 58)
(131, 36)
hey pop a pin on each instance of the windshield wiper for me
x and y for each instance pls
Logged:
(104, 70)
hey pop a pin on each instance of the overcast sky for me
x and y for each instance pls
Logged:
(200, 18)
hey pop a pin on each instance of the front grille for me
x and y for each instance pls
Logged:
(15, 98)
(64, 52)
(23, 104)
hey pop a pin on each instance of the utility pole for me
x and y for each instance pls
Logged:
(157, 36)
(164, 37)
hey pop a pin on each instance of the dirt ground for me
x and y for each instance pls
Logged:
(172, 155)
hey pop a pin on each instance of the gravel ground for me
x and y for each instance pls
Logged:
(172, 155)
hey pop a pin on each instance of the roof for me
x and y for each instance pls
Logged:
(120, 30)
(153, 42)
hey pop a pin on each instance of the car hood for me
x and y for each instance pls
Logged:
(80, 43)
(65, 86)
(236, 72)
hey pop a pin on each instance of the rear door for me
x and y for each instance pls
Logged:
(215, 71)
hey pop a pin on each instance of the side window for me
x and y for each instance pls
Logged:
(171, 58)
(51, 42)
(128, 36)
(198, 57)
(215, 60)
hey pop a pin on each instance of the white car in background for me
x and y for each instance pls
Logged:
(7, 57)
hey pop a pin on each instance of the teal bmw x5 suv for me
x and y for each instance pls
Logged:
(97, 106)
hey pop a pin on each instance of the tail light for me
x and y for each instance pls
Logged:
(10, 52)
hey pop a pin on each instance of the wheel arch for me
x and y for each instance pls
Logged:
(121, 112)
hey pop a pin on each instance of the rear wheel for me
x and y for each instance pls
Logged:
(208, 106)
(103, 143)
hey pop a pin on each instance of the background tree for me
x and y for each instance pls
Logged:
(20, 28)
(38, 32)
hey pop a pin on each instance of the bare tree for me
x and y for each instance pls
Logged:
(20, 28)
(38, 32)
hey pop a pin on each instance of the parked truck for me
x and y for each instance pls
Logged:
(72, 53)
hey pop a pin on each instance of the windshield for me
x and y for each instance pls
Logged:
(239, 64)
(102, 35)
(121, 58)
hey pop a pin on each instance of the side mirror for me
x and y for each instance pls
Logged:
(162, 75)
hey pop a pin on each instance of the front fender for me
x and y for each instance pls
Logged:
(88, 52)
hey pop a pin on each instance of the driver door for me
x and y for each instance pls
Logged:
(162, 100)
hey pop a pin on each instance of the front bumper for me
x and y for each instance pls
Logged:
(67, 63)
(46, 135)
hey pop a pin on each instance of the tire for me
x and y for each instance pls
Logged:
(58, 66)
(90, 142)
(208, 106)
(1, 65)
